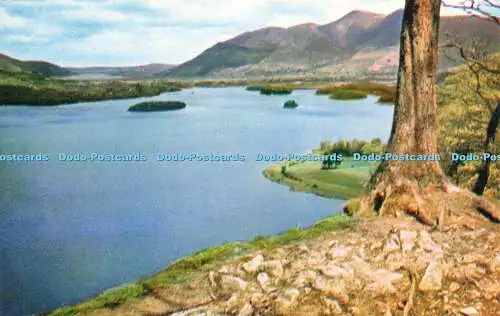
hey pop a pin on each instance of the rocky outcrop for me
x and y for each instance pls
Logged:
(378, 267)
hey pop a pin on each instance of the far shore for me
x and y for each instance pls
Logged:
(26, 89)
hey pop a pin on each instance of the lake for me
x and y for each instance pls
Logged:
(70, 230)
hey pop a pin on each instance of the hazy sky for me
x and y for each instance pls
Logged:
(131, 32)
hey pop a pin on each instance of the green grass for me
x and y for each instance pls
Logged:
(297, 234)
(345, 182)
(347, 94)
(271, 89)
(276, 91)
(198, 263)
(386, 93)
(326, 90)
(109, 299)
(351, 206)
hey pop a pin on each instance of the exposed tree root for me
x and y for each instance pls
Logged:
(429, 205)
(487, 208)
(420, 210)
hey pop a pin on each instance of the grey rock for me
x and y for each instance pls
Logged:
(254, 265)
(469, 311)
(392, 245)
(286, 301)
(306, 278)
(332, 270)
(427, 243)
(340, 251)
(274, 268)
(233, 283)
(265, 282)
(408, 239)
(432, 280)
(246, 310)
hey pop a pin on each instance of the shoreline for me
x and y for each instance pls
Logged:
(193, 266)
(26, 89)
(304, 177)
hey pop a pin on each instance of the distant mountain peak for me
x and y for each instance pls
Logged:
(345, 30)
(353, 43)
(359, 15)
(358, 12)
(309, 25)
(398, 14)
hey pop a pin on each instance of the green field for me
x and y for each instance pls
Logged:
(345, 182)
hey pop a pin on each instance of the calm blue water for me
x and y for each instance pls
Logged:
(71, 230)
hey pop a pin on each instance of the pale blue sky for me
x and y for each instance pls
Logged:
(131, 32)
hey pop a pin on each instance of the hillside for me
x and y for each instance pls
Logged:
(131, 72)
(41, 67)
(348, 31)
(383, 266)
(360, 43)
(222, 55)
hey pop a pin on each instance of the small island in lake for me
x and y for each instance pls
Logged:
(271, 89)
(152, 106)
(290, 104)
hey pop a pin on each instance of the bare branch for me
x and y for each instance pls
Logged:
(473, 8)
(491, 4)
(465, 57)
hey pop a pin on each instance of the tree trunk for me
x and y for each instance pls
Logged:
(415, 116)
(484, 170)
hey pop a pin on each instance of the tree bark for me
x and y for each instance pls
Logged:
(414, 124)
(484, 170)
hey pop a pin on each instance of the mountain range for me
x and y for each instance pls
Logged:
(359, 43)
(132, 72)
(51, 70)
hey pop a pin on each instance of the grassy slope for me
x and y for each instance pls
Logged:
(198, 263)
(345, 182)
(41, 67)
